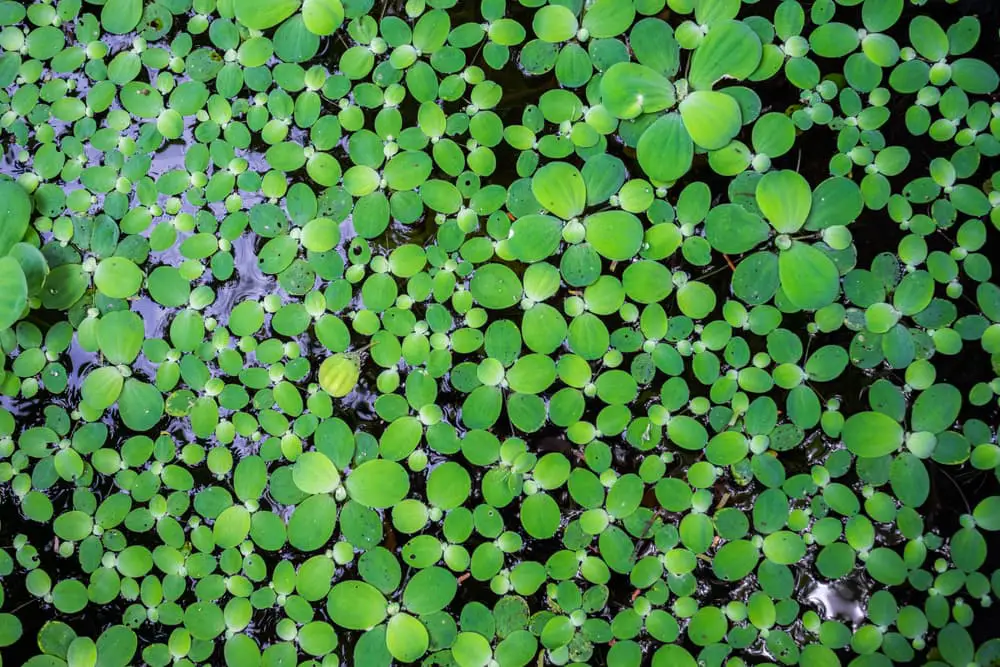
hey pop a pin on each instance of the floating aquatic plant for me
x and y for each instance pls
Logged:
(495, 334)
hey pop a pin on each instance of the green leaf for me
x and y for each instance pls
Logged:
(408, 170)
(140, 405)
(121, 16)
(696, 299)
(809, 278)
(557, 633)
(33, 264)
(339, 374)
(629, 90)
(834, 40)
(987, 513)
(608, 18)
(615, 235)
(264, 14)
(356, 605)
(936, 408)
(955, 645)
(64, 286)
(101, 387)
(472, 649)
(654, 45)
(13, 292)
(773, 134)
(712, 119)
(928, 38)
(785, 200)
(313, 522)
(735, 560)
(10, 629)
(118, 278)
(406, 638)
(968, 549)
(687, 433)
(872, 434)
(671, 655)
(531, 374)
(378, 483)
(756, 278)
(784, 547)
(496, 287)
(15, 211)
(540, 516)
(534, 237)
(733, 230)
(559, 188)
(974, 76)
(286, 156)
(665, 150)
(554, 23)
(116, 646)
(707, 626)
(880, 15)
(835, 560)
(322, 17)
(314, 472)
(730, 49)
(430, 590)
(231, 527)
(910, 480)
(835, 201)
(448, 485)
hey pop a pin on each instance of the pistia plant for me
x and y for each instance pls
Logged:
(501, 333)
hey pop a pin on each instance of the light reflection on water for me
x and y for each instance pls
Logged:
(839, 600)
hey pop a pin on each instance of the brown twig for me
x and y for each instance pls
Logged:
(723, 500)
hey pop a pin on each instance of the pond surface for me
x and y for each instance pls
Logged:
(569, 430)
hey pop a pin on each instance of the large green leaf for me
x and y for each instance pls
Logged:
(356, 605)
(608, 18)
(314, 472)
(101, 388)
(13, 292)
(534, 237)
(712, 119)
(322, 17)
(730, 49)
(560, 189)
(406, 638)
(616, 235)
(809, 277)
(15, 214)
(378, 483)
(872, 434)
(732, 229)
(121, 16)
(785, 200)
(629, 90)
(936, 408)
(264, 14)
(665, 150)
(496, 287)
(140, 405)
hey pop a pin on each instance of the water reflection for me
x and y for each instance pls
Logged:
(841, 600)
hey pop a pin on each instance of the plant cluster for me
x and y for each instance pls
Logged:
(498, 333)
